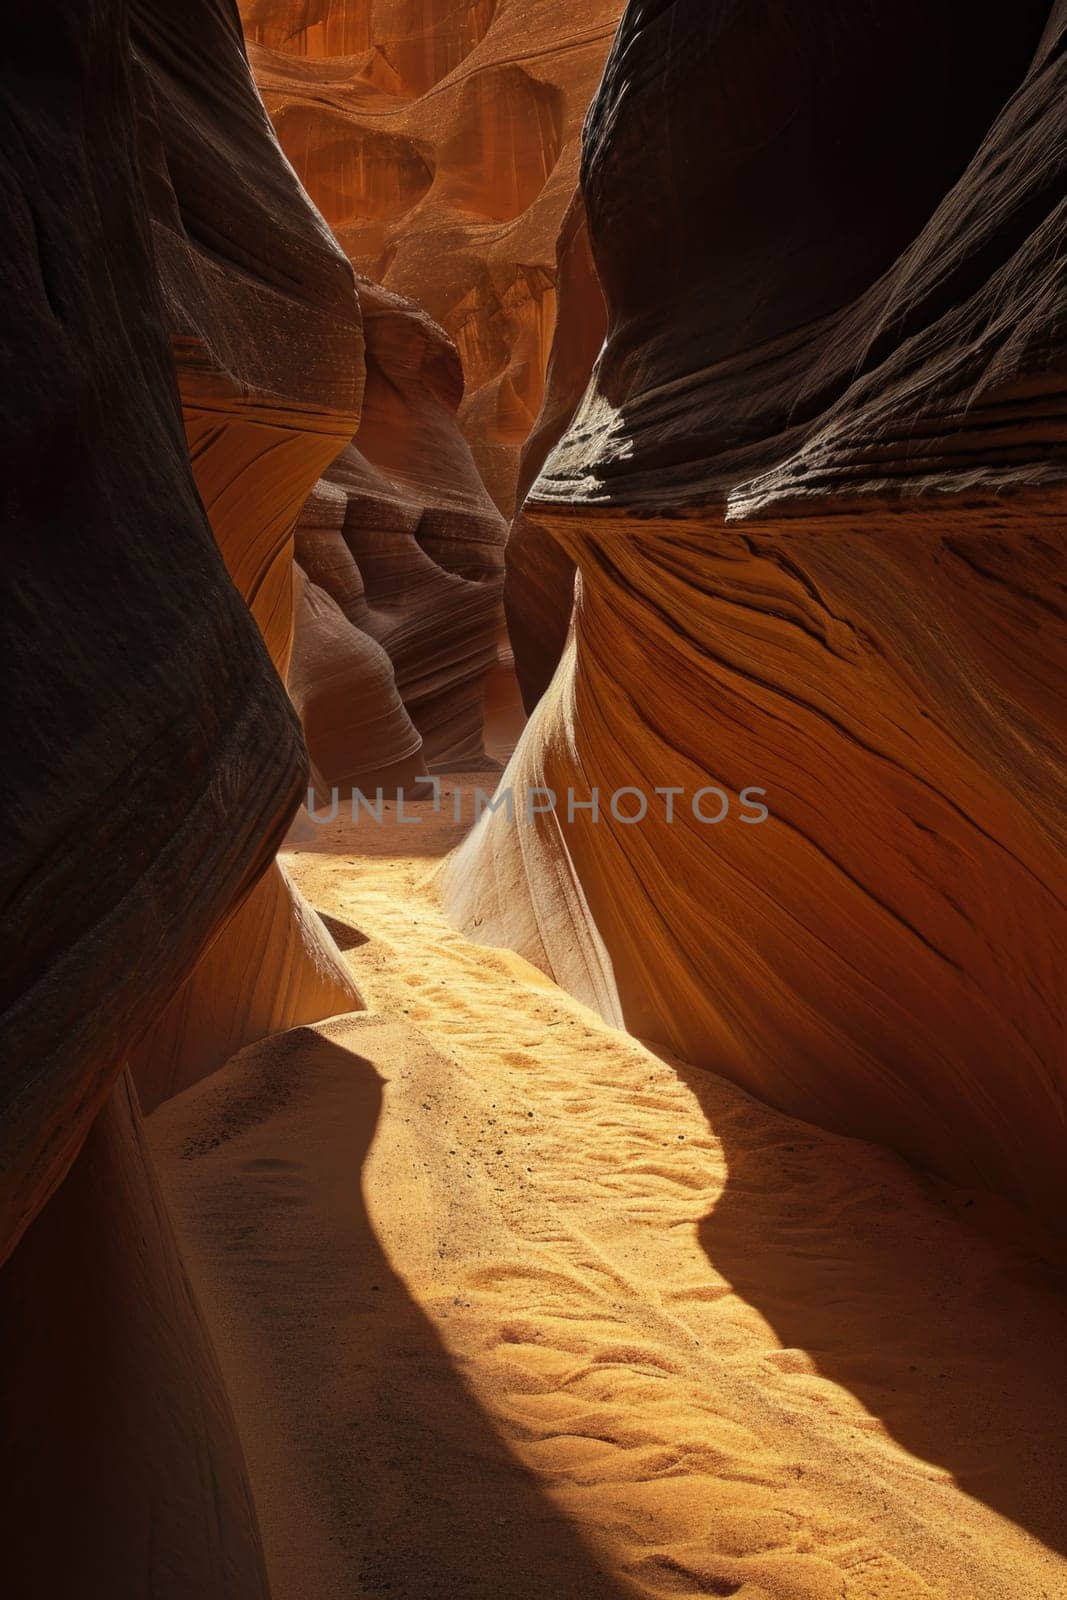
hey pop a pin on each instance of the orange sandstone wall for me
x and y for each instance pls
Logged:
(539, 573)
(414, 560)
(267, 335)
(440, 141)
(815, 496)
(156, 761)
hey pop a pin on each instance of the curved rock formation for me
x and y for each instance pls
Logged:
(441, 142)
(274, 965)
(416, 559)
(407, 45)
(114, 1408)
(266, 330)
(341, 680)
(154, 763)
(151, 731)
(815, 494)
(539, 574)
(260, 302)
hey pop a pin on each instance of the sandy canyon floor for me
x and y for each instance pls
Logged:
(512, 1308)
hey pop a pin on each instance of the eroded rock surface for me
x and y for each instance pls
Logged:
(341, 679)
(416, 560)
(116, 1418)
(815, 495)
(154, 762)
(539, 572)
(266, 329)
(260, 301)
(441, 143)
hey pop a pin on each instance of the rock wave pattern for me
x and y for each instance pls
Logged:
(441, 142)
(149, 724)
(413, 559)
(268, 341)
(815, 496)
(182, 356)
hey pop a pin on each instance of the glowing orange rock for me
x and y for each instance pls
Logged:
(440, 141)
(815, 496)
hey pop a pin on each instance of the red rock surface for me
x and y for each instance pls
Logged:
(506, 1302)
(815, 496)
(260, 301)
(267, 335)
(340, 679)
(539, 575)
(440, 141)
(417, 560)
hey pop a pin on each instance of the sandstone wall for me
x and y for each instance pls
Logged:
(815, 496)
(155, 764)
(267, 335)
(415, 562)
(440, 141)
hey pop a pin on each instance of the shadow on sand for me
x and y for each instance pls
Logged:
(375, 1470)
(344, 934)
(955, 1341)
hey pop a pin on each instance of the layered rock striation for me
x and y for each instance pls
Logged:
(815, 495)
(340, 679)
(149, 728)
(539, 572)
(441, 143)
(411, 554)
(156, 762)
(267, 335)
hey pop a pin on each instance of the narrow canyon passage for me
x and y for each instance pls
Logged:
(654, 413)
(509, 1305)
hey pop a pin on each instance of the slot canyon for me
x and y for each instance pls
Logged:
(533, 1030)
